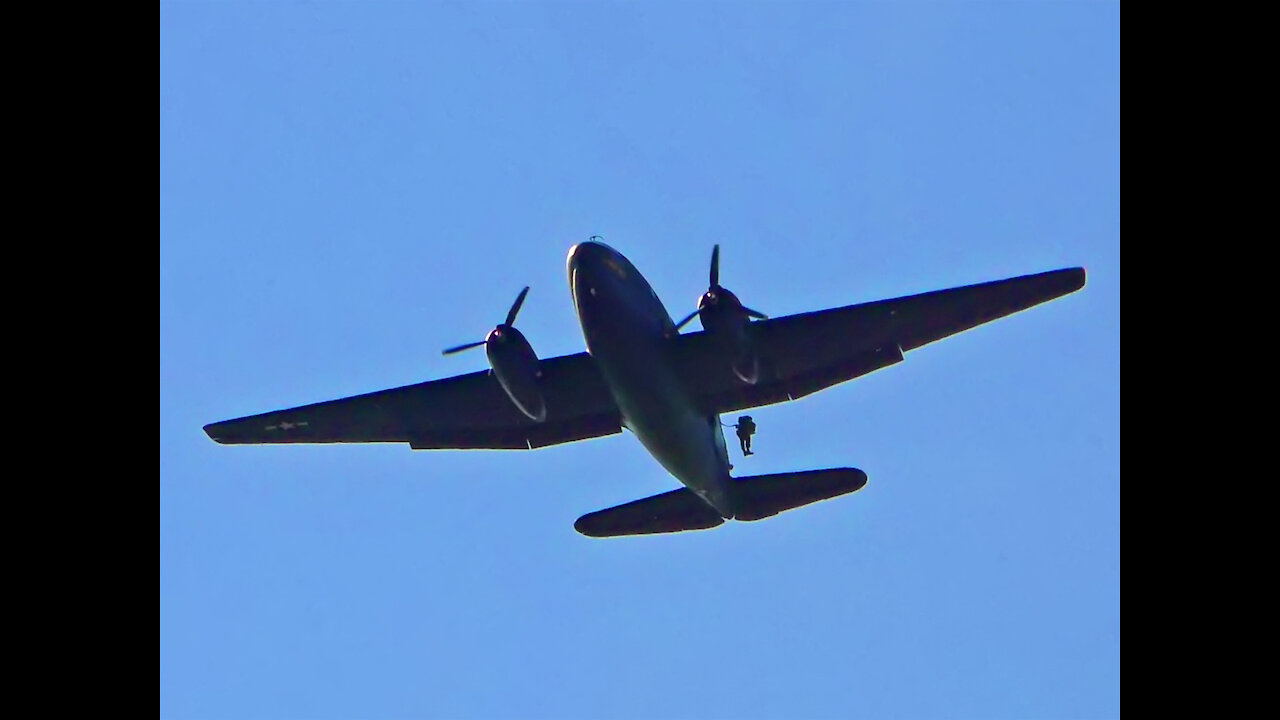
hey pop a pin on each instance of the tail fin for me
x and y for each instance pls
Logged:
(763, 496)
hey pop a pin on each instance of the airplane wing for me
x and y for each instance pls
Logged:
(802, 354)
(799, 354)
(465, 412)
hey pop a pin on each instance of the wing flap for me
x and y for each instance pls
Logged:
(727, 395)
(526, 437)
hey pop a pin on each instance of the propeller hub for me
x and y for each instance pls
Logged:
(718, 304)
(499, 333)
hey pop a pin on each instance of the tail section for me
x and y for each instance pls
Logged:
(674, 511)
(755, 498)
(763, 496)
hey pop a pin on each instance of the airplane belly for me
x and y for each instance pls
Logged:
(664, 419)
(624, 326)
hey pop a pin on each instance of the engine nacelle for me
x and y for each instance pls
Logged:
(516, 367)
(728, 323)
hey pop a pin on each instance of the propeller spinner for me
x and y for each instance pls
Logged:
(499, 333)
(715, 294)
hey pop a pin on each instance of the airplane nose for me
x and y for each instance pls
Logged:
(582, 250)
(581, 256)
(572, 259)
(587, 264)
(571, 262)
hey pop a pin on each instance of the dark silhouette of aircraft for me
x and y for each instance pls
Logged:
(669, 389)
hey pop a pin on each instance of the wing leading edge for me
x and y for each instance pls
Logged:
(802, 354)
(468, 412)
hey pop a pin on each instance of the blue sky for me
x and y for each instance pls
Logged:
(348, 188)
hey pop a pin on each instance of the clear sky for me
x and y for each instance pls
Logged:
(348, 188)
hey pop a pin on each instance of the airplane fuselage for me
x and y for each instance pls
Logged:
(626, 328)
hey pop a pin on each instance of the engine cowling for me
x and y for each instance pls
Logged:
(728, 323)
(513, 362)
(516, 367)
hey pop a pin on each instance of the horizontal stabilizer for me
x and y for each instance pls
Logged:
(755, 498)
(674, 511)
(763, 496)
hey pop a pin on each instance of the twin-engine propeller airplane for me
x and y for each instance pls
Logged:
(669, 389)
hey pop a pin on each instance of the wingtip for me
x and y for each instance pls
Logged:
(585, 527)
(1068, 280)
(212, 431)
(851, 478)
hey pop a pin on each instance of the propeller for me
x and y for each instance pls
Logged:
(686, 320)
(715, 293)
(498, 334)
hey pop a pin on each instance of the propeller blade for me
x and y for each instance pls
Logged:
(460, 348)
(686, 320)
(515, 307)
(715, 265)
(755, 313)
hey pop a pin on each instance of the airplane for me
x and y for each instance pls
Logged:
(669, 389)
